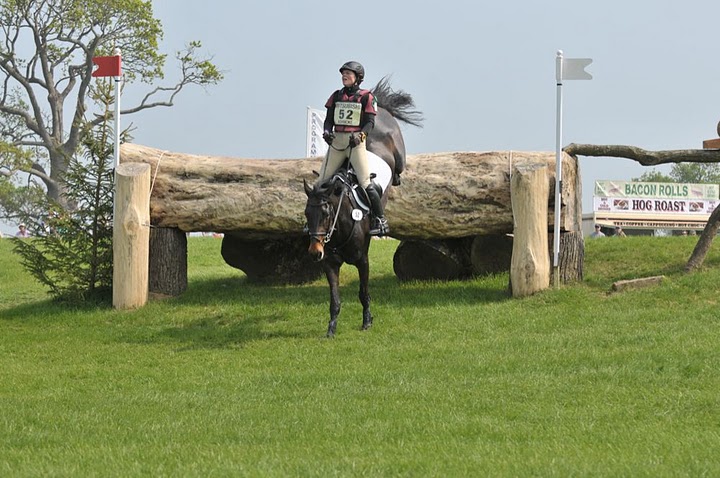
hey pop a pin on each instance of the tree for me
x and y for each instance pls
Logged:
(654, 176)
(71, 251)
(46, 66)
(695, 173)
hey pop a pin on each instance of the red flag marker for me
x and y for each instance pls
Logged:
(107, 66)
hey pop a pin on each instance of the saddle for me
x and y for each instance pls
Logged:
(346, 175)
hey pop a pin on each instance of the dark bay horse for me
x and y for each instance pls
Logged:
(338, 220)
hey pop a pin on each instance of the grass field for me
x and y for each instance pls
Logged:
(454, 379)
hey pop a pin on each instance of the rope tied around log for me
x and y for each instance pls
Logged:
(152, 184)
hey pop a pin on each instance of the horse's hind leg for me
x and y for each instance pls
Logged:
(333, 276)
(364, 295)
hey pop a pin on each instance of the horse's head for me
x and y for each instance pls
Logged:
(320, 211)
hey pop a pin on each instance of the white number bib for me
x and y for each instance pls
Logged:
(347, 114)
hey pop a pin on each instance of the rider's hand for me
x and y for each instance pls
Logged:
(328, 136)
(355, 139)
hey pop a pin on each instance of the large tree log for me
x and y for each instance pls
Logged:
(443, 195)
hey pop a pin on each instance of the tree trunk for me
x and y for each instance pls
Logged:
(443, 195)
(704, 242)
(168, 261)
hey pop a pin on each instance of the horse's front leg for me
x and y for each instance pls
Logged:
(363, 268)
(332, 272)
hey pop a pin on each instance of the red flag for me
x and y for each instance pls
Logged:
(107, 66)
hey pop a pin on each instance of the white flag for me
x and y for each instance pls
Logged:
(574, 69)
(315, 145)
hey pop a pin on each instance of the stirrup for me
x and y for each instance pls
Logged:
(380, 227)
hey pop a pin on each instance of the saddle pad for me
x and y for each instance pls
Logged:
(378, 166)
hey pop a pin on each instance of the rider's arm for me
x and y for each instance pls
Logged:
(367, 123)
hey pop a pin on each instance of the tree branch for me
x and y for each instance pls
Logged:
(644, 157)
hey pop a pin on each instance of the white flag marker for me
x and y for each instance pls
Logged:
(565, 69)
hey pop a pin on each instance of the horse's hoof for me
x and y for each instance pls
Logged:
(367, 326)
(330, 335)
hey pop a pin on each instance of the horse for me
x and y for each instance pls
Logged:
(337, 210)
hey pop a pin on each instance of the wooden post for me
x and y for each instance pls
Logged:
(530, 263)
(168, 261)
(131, 235)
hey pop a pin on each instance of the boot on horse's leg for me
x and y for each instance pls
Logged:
(379, 225)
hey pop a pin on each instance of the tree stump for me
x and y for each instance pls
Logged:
(271, 261)
(168, 261)
(433, 260)
(491, 254)
(571, 259)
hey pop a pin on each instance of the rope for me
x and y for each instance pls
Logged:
(152, 184)
(157, 168)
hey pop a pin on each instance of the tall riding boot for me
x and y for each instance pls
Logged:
(379, 226)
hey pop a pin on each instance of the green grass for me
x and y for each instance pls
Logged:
(454, 379)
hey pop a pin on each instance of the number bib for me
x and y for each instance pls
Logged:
(347, 114)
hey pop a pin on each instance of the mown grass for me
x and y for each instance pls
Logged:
(454, 379)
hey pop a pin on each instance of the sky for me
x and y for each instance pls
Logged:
(482, 73)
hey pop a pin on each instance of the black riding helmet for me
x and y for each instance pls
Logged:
(356, 68)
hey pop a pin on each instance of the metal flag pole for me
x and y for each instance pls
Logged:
(558, 167)
(118, 80)
(565, 69)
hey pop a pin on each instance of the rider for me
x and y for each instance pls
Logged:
(350, 118)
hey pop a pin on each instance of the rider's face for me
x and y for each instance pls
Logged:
(348, 78)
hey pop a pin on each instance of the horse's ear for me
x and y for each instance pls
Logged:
(308, 189)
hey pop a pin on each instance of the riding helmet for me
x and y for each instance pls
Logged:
(356, 68)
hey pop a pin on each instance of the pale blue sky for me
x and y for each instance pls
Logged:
(483, 74)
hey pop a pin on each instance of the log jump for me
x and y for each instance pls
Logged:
(445, 198)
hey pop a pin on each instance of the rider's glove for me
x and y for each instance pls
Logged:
(356, 138)
(328, 136)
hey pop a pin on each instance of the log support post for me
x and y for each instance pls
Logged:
(168, 261)
(530, 263)
(131, 235)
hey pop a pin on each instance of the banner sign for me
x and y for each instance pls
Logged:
(655, 198)
(315, 145)
(627, 189)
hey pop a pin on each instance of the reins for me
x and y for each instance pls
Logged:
(328, 235)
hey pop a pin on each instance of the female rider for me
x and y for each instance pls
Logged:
(350, 118)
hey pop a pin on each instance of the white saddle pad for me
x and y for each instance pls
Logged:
(378, 166)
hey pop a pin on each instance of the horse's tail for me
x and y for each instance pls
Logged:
(398, 103)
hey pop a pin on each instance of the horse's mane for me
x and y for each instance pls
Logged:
(398, 103)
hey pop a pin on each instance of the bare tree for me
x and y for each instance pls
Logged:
(45, 76)
(654, 158)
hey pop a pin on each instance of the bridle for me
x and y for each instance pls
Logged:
(325, 237)
(318, 236)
